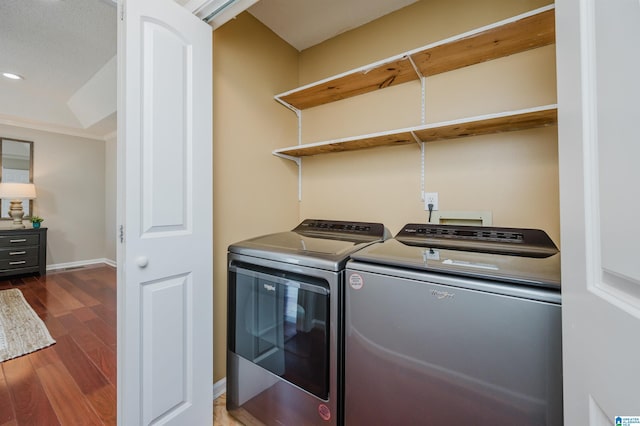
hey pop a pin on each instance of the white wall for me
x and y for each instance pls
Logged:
(69, 174)
(110, 167)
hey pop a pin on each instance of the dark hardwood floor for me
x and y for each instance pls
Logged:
(72, 382)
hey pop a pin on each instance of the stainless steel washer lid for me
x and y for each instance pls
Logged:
(511, 255)
(322, 244)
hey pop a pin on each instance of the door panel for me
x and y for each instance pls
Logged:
(166, 326)
(165, 166)
(617, 24)
(165, 318)
(598, 88)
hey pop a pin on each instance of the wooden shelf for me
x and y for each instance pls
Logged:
(474, 126)
(517, 34)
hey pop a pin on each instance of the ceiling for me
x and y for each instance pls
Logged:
(64, 49)
(290, 18)
(57, 46)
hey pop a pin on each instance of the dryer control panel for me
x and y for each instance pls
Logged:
(511, 241)
(374, 231)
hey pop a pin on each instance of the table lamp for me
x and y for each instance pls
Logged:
(16, 192)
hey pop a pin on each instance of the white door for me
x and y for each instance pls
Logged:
(598, 59)
(165, 339)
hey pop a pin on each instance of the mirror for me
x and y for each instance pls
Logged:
(16, 165)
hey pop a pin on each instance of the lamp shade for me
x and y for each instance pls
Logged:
(16, 191)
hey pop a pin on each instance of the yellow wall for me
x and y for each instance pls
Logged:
(254, 192)
(514, 175)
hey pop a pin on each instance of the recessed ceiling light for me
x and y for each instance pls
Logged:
(12, 76)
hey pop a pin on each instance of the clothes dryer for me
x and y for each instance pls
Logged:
(285, 321)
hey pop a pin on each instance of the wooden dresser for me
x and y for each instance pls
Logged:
(23, 251)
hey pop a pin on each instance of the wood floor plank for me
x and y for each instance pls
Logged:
(68, 401)
(106, 276)
(85, 313)
(108, 315)
(105, 359)
(65, 297)
(54, 306)
(7, 414)
(81, 368)
(104, 332)
(30, 402)
(221, 416)
(104, 295)
(70, 322)
(85, 338)
(107, 296)
(56, 329)
(76, 291)
(102, 401)
(100, 354)
(92, 287)
(33, 300)
(44, 357)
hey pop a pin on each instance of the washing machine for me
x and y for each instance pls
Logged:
(454, 325)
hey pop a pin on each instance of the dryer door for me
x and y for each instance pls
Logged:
(280, 321)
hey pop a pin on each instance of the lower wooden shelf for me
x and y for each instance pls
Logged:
(481, 125)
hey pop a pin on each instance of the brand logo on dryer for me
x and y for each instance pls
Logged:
(269, 287)
(442, 294)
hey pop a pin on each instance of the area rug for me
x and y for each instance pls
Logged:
(21, 330)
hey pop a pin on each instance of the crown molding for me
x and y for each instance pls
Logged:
(48, 127)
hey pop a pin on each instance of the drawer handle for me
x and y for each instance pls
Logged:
(21, 240)
(20, 262)
(13, 253)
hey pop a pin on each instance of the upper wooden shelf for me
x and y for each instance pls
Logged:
(517, 34)
(481, 125)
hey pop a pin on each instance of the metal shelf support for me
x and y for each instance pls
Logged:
(296, 160)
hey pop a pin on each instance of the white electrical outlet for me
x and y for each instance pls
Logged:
(431, 198)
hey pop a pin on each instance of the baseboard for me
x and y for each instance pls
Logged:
(219, 387)
(109, 262)
(80, 264)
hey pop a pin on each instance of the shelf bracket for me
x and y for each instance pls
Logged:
(416, 138)
(297, 160)
(415, 67)
(287, 105)
(423, 80)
